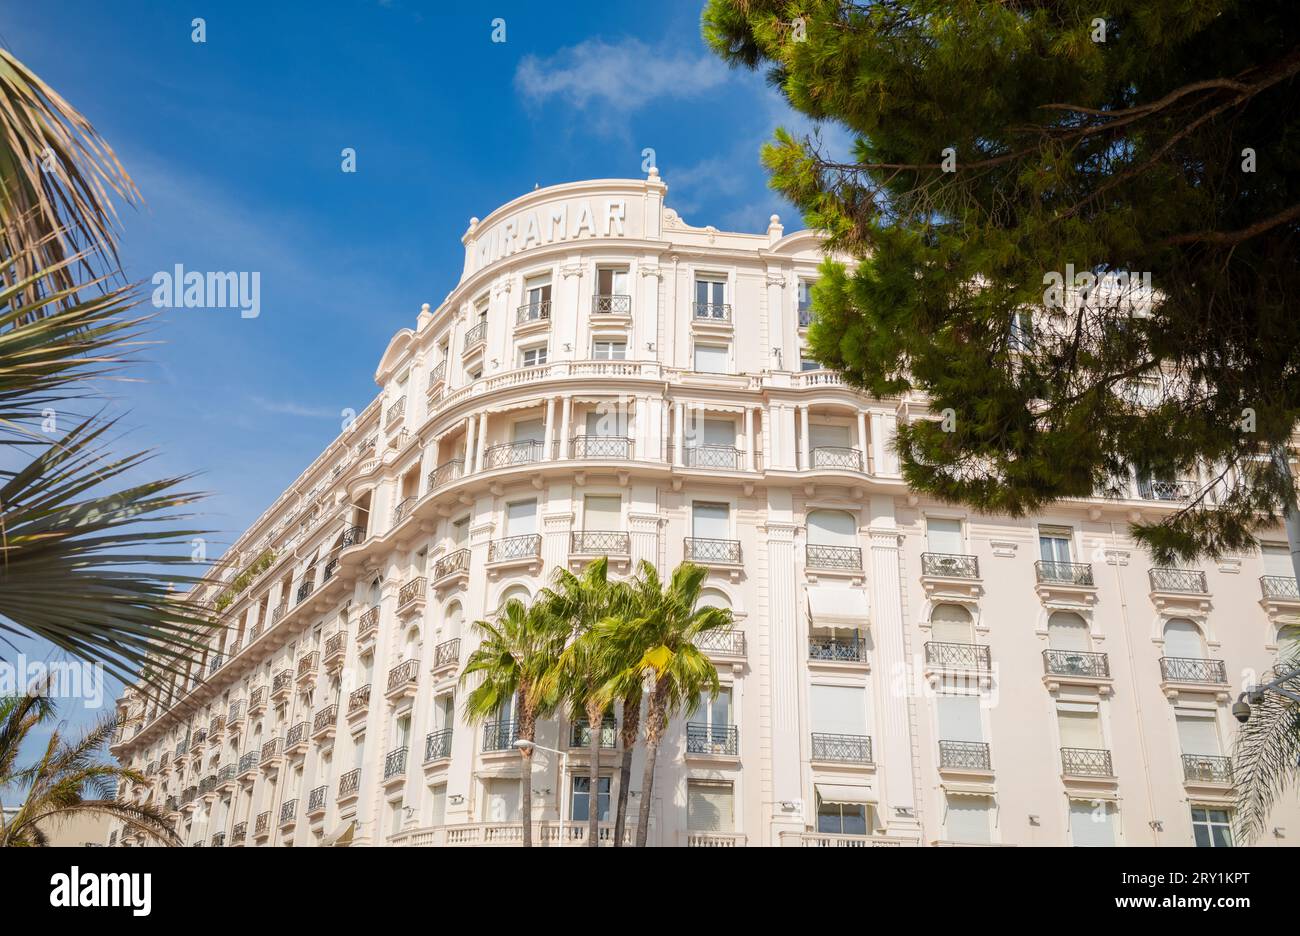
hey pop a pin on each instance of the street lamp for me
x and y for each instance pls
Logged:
(1255, 694)
(564, 780)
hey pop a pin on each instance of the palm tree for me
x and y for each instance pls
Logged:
(67, 780)
(586, 665)
(658, 636)
(80, 565)
(513, 656)
(1266, 754)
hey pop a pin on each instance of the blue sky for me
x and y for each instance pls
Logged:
(236, 145)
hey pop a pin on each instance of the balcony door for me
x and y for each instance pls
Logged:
(838, 710)
(1054, 544)
(967, 820)
(943, 535)
(1277, 560)
(832, 528)
(710, 521)
(611, 282)
(959, 718)
(709, 295)
(952, 624)
(1092, 824)
(607, 422)
(1080, 726)
(529, 430)
(829, 436)
(1068, 631)
(1198, 732)
(1183, 640)
(501, 802)
(602, 513)
(521, 518)
(710, 807)
(537, 294)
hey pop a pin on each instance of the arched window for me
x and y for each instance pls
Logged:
(1067, 631)
(454, 618)
(411, 648)
(1183, 640)
(713, 598)
(514, 593)
(951, 623)
(832, 528)
(373, 593)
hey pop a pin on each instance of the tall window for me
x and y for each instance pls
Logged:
(611, 282)
(501, 800)
(951, 623)
(710, 297)
(710, 806)
(710, 520)
(1198, 732)
(1054, 544)
(521, 518)
(1211, 828)
(602, 512)
(1092, 823)
(805, 303)
(832, 528)
(580, 804)
(1067, 631)
(959, 718)
(943, 535)
(1183, 640)
(537, 294)
(1080, 725)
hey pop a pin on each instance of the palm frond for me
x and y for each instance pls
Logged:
(1266, 757)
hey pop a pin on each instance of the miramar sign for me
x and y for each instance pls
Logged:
(551, 224)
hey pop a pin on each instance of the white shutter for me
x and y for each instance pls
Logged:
(717, 432)
(1067, 631)
(438, 811)
(943, 535)
(1198, 733)
(710, 521)
(1183, 639)
(952, 624)
(968, 819)
(710, 807)
(602, 512)
(959, 718)
(1277, 560)
(521, 518)
(711, 359)
(832, 528)
(1092, 824)
(1080, 728)
(834, 436)
(530, 430)
(607, 424)
(838, 710)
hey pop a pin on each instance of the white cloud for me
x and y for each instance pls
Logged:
(625, 75)
(291, 408)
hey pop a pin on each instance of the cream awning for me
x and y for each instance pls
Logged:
(340, 837)
(838, 607)
(845, 794)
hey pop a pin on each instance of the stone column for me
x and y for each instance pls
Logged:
(805, 461)
(470, 425)
(784, 661)
(566, 415)
(749, 438)
(862, 440)
(481, 442)
(679, 429)
(548, 447)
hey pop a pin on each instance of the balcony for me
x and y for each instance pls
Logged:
(280, 611)
(841, 748)
(474, 337)
(395, 413)
(306, 588)
(403, 508)
(437, 745)
(600, 543)
(720, 457)
(218, 839)
(1172, 491)
(833, 558)
(226, 775)
(950, 566)
(830, 649)
(837, 458)
(173, 804)
(611, 305)
(235, 715)
(359, 702)
(963, 756)
(712, 551)
(446, 655)
(451, 568)
(331, 566)
(308, 664)
(1076, 663)
(580, 734)
(281, 685)
(322, 724)
(1193, 670)
(446, 473)
(515, 549)
(239, 833)
(368, 623)
(1077, 574)
(1281, 587)
(941, 655)
(534, 313)
(349, 785)
(271, 754)
(248, 763)
(336, 645)
(262, 827)
(500, 735)
(712, 740)
(199, 738)
(288, 813)
(1180, 581)
(257, 701)
(214, 664)
(316, 801)
(1207, 768)
(618, 448)
(712, 311)
(395, 764)
(508, 454)
(1086, 762)
(295, 740)
(410, 597)
(215, 727)
(722, 642)
(436, 377)
(403, 680)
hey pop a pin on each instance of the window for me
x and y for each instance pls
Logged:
(715, 712)
(1067, 631)
(580, 803)
(459, 533)
(521, 518)
(1080, 725)
(602, 512)
(710, 807)
(952, 624)
(610, 282)
(1198, 732)
(607, 422)
(438, 804)
(943, 535)
(1054, 544)
(537, 293)
(532, 357)
(832, 528)
(1183, 640)
(838, 710)
(959, 718)
(710, 298)
(842, 818)
(805, 303)
(711, 359)
(1092, 824)
(394, 817)
(808, 364)
(1021, 337)
(603, 349)
(710, 521)
(1211, 828)
(968, 819)
(501, 800)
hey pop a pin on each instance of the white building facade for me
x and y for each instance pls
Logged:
(606, 379)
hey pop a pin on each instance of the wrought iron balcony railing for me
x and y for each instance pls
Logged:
(249, 761)
(369, 621)
(335, 644)
(280, 611)
(437, 745)
(281, 681)
(833, 558)
(843, 457)
(725, 457)
(324, 718)
(837, 649)
(725, 640)
(436, 375)
(446, 473)
(523, 452)
(216, 725)
(270, 750)
(350, 783)
(1086, 762)
(235, 714)
(599, 543)
(1077, 663)
(713, 311)
(457, 561)
(950, 565)
(607, 305)
(1177, 491)
(1279, 586)
(263, 824)
(722, 551)
(1191, 669)
(1207, 768)
(288, 812)
(958, 655)
(403, 508)
(598, 446)
(580, 733)
(515, 547)
(331, 566)
(395, 763)
(218, 839)
(712, 739)
(533, 312)
(198, 739)
(257, 699)
(307, 587)
(805, 317)
(316, 799)
(1177, 580)
(410, 591)
(500, 735)
(359, 699)
(446, 653)
(475, 336)
(395, 412)
(214, 664)
(1064, 573)
(308, 663)
(239, 834)
(403, 674)
(297, 734)
(227, 773)
(965, 755)
(842, 748)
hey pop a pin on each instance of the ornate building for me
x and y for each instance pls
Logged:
(606, 379)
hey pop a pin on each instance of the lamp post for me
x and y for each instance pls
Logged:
(564, 780)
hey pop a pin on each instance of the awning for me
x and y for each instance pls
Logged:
(838, 607)
(845, 794)
(341, 836)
